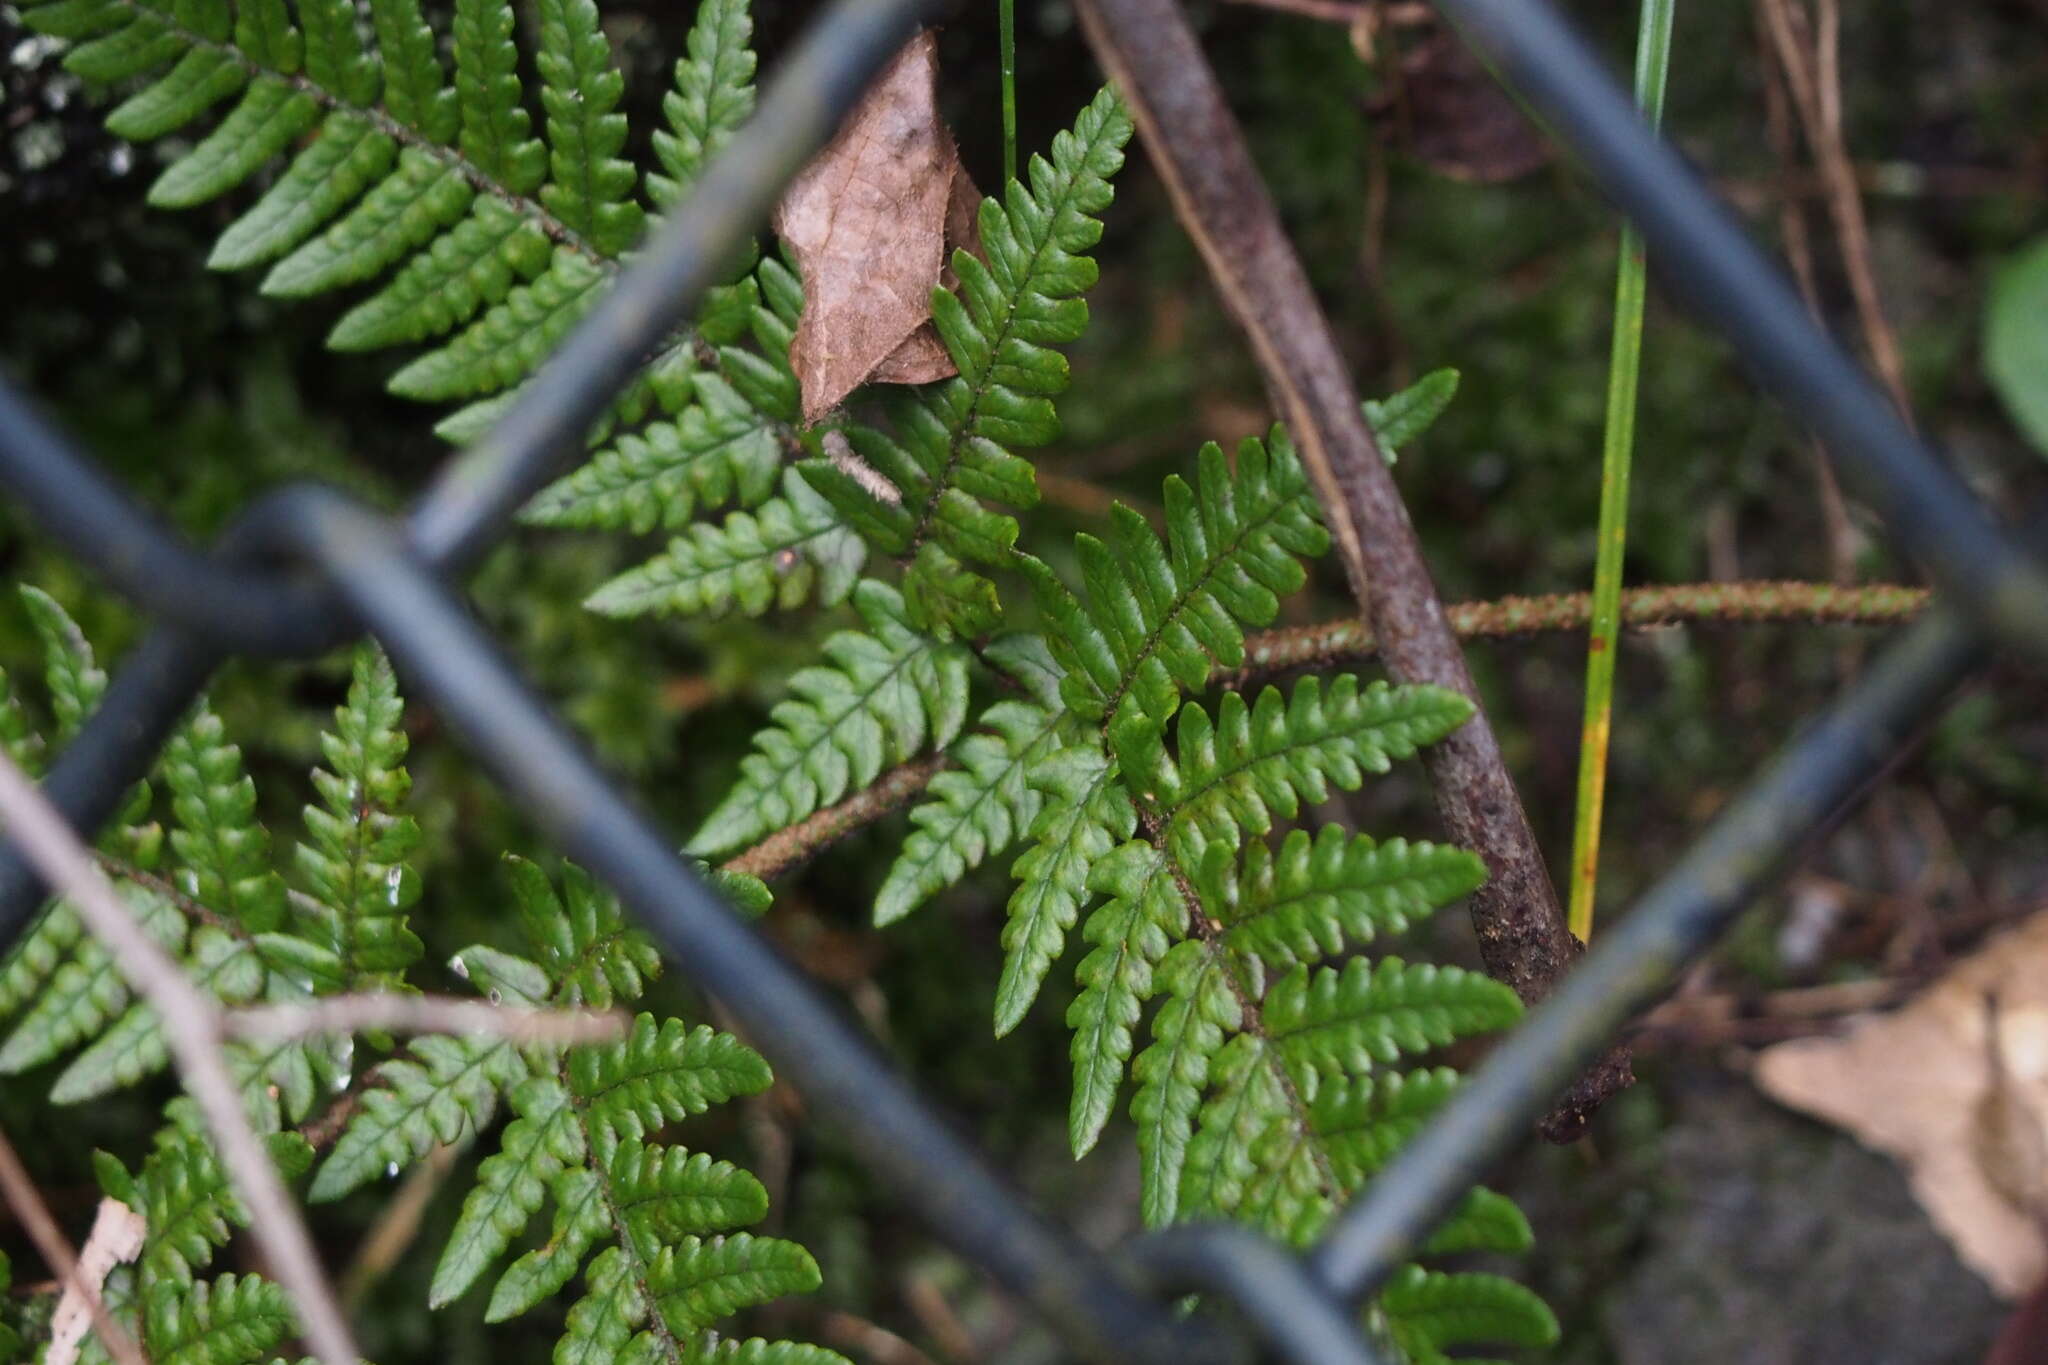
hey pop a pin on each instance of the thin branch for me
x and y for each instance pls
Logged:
(1201, 156)
(518, 1024)
(1269, 652)
(789, 848)
(1742, 603)
(55, 1249)
(191, 1026)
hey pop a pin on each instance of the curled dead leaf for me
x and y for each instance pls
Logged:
(1962, 1106)
(872, 222)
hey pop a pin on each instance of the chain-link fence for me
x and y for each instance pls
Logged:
(306, 568)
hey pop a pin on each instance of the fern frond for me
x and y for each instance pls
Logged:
(1306, 901)
(1087, 812)
(1188, 1032)
(1344, 1021)
(354, 860)
(187, 1203)
(714, 95)
(889, 692)
(974, 809)
(949, 450)
(582, 1216)
(661, 1072)
(699, 1280)
(510, 1185)
(1131, 933)
(1234, 776)
(449, 1087)
(87, 992)
(580, 88)
(231, 1320)
(790, 549)
(1158, 619)
(584, 945)
(224, 965)
(1430, 1311)
(224, 850)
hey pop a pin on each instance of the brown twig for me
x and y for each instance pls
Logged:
(191, 1025)
(1268, 652)
(869, 1340)
(55, 1249)
(791, 847)
(1809, 50)
(425, 1014)
(1201, 155)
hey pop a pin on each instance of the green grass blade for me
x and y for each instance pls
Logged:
(1653, 60)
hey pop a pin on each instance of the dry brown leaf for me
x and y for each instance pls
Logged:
(1920, 1083)
(872, 221)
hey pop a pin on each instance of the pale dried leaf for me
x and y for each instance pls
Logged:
(1920, 1083)
(871, 222)
(116, 1236)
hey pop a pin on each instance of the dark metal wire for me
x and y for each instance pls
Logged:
(384, 573)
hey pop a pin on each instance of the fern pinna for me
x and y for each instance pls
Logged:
(666, 1225)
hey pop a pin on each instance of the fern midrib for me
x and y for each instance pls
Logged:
(1252, 1019)
(956, 440)
(191, 906)
(400, 133)
(636, 1268)
(861, 698)
(1150, 645)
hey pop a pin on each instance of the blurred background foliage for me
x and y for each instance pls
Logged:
(1389, 171)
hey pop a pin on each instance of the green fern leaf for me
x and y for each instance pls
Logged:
(508, 342)
(718, 449)
(416, 91)
(1430, 1311)
(270, 118)
(1131, 933)
(889, 691)
(1303, 903)
(222, 964)
(581, 1218)
(495, 125)
(1087, 813)
(225, 852)
(402, 212)
(1405, 416)
(665, 1193)
(1233, 776)
(510, 1185)
(1245, 1097)
(601, 1323)
(347, 157)
(789, 549)
(588, 952)
(1157, 621)
(1334, 1022)
(1187, 1033)
(45, 947)
(714, 95)
(949, 448)
(1486, 1221)
(354, 860)
(755, 1351)
(588, 186)
(972, 811)
(18, 737)
(89, 990)
(475, 264)
(659, 1073)
(227, 1321)
(75, 681)
(451, 1089)
(1361, 1121)
(187, 1204)
(700, 1280)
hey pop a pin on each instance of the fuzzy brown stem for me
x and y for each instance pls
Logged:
(1200, 153)
(789, 848)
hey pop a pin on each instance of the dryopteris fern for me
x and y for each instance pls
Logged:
(665, 1224)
